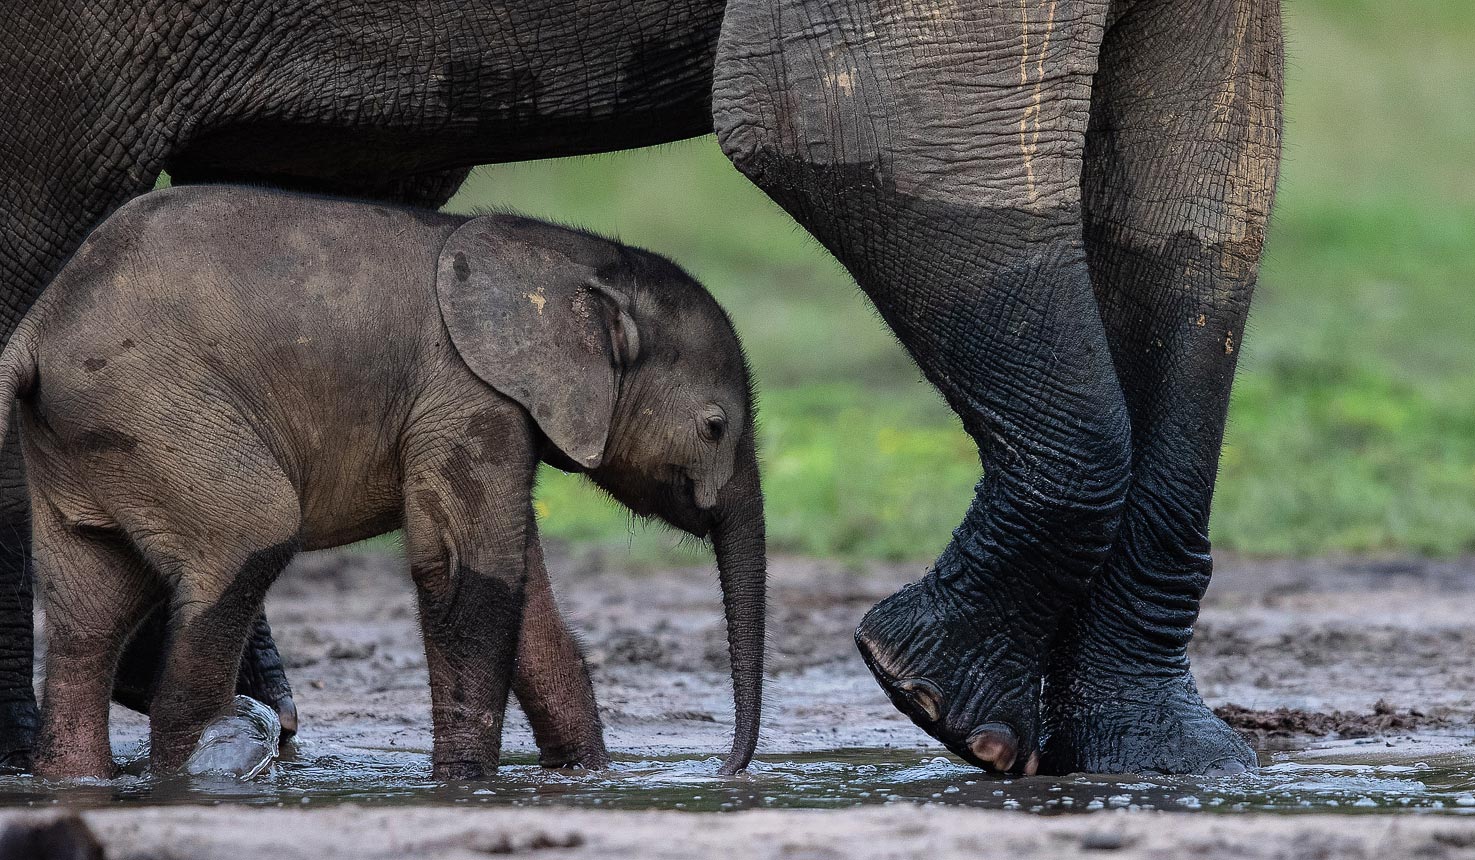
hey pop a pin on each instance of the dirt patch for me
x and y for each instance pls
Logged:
(1293, 722)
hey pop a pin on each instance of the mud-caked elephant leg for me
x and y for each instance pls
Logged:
(935, 149)
(19, 716)
(217, 600)
(1180, 171)
(262, 676)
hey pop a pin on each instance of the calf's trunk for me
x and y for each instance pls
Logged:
(738, 539)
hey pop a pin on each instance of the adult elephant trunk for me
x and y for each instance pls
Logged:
(738, 539)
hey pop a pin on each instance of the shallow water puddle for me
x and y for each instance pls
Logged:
(1426, 775)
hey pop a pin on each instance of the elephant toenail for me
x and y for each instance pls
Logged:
(924, 695)
(287, 715)
(994, 744)
(1032, 766)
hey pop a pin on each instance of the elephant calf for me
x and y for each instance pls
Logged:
(223, 376)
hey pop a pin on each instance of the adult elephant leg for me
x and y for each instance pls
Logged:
(50, 206)
(935, 148)
(19, 717)
(1180, 171)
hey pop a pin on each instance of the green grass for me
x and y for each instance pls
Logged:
(1353, 425)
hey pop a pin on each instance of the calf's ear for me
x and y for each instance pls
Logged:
(528, 315)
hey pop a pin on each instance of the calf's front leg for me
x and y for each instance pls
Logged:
(467, 526)
(552, 680)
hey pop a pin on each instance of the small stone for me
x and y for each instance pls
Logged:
(352, 650)
(542, 840)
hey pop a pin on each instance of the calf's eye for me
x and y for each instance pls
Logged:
(713, 426)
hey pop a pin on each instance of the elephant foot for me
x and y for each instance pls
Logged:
(263, 678)
(240, 742)
(584, 756)
(19, 722)
(285, 708)
(1136, 725)
(462, 771)
(959, 674)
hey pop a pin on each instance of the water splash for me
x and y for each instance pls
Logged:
(1330, 778)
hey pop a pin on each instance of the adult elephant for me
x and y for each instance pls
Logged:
(1058, 205)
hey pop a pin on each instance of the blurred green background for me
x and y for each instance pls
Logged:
(1353, 424)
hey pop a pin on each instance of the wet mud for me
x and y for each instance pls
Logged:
(1353, 679)
(1293, 723)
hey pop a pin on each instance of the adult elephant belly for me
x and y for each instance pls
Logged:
(382, 90)
(359, 161)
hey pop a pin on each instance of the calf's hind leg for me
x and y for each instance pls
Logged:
(219, 531)
(95, 589)
(214, 607)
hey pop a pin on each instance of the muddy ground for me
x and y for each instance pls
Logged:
(1387, 644)
(1287, 650)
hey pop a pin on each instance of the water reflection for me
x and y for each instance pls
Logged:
(1327, 779)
